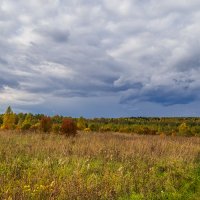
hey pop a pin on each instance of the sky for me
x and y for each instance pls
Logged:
(100, 58)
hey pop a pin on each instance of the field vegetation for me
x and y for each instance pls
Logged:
(98, 166)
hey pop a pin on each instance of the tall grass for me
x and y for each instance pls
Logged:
(99, 166)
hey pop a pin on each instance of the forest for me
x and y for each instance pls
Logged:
(174, 126)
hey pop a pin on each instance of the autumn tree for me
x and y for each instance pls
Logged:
(68, 127)
(27, 122)
(45, 124)
(9, 119)
(82, 123)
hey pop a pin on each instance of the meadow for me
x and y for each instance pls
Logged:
(99, 166)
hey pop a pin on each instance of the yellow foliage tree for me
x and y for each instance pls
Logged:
(8, 119)
(27, 122)
(82, 123)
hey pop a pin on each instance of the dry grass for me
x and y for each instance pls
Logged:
(98, 166)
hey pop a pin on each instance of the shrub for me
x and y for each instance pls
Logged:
(56, 128)
(184, 130)
(87, 130)
(45, 124)
(25, 126)
(94, 127)
(35, 127)
(82, 124)
(68, 127)
(124, 129)
(105, 128)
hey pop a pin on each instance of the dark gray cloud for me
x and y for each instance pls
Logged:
(133, 51)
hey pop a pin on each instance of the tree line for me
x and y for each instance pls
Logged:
(29, 122)
(69, 126)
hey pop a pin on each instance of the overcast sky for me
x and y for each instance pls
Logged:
(100, 58)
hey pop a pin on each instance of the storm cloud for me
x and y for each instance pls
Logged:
(130, 51)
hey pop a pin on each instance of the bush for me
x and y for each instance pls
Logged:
(25, 126)
(68, 127)
(87, 130)
(124, 129)
(184, 130)
(45, 124)
(35, 127)
(82, 124)
(94, 127)
(56, 128)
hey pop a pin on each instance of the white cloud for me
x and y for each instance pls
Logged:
(15, 96)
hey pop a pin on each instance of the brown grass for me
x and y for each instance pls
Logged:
(97, 166)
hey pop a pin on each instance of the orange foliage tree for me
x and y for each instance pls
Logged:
(68, 127)
(45, 124)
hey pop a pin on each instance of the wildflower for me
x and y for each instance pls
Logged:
(52, 184)
(26, 186)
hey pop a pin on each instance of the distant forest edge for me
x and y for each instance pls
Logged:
(24, 122)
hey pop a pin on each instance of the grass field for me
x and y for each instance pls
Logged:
(99, 166)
